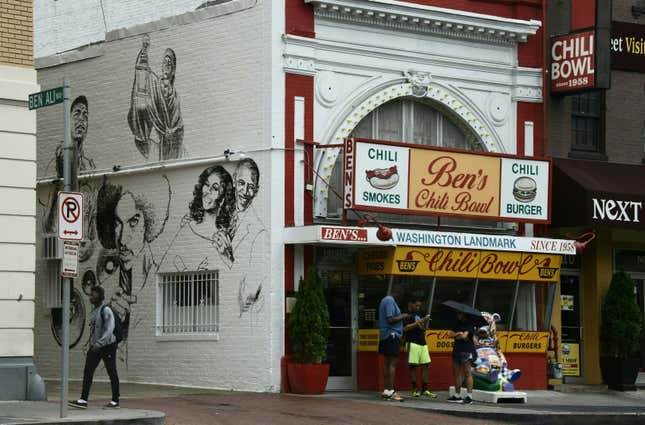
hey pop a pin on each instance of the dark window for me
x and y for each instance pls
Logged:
(587, 129)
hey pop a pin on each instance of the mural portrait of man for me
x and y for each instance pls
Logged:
(127, 223)
(79, 112)
(155, 105)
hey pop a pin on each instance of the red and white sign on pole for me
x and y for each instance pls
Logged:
(573, 62)
(70, 216)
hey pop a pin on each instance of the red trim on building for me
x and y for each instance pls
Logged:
(503, 8)
(370, 371)
(583, 14)
(298, 86)
(299, 18)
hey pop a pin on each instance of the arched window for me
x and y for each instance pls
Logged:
(413, 121)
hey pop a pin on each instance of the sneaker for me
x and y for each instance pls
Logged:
(396, 397)
(428, 393)
(455, 399)
(386, 394)
(78, 404)
(112, 405)
(468, 400)
(416, 393)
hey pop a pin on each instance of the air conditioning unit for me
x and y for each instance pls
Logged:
(52, 247)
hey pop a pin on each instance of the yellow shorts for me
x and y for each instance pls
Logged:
(418, 354)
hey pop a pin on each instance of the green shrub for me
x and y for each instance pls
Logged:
(309, 321)
(621, 322)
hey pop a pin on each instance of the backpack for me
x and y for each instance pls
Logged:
(118, 325)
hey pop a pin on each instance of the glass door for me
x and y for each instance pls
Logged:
(571, 316)
(339, 284)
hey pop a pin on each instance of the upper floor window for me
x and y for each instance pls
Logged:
(587, 123)
(412, 121)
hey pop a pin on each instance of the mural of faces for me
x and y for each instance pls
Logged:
(130, 228)
(247, 177)
(213, 197)
(80, 118)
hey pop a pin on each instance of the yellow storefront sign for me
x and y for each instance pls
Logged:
(368, 340)
(439, 341)
(460, 263)
(570, 359)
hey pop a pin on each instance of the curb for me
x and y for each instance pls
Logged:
(550, 418)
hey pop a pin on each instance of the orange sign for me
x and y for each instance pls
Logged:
(454, 183)
(460, 263)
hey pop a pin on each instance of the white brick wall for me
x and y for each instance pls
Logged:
(61, 25)
(221, 79)
(17, 214)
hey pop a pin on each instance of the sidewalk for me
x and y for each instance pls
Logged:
(189, 406)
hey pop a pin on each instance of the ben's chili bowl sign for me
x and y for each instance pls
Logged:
(419, 180)
(572, 62)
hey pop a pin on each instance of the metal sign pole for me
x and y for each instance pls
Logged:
(67, 284)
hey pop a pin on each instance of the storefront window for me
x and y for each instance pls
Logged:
(496, 297)
(527, 314)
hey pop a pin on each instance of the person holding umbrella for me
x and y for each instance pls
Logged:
(463, 350)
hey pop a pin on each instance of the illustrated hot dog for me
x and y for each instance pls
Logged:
(382, 178)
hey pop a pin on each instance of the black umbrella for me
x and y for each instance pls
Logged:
(473, 314)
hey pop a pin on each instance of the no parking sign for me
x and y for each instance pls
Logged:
(70, 216)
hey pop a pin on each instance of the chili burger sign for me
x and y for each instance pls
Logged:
(413, 179)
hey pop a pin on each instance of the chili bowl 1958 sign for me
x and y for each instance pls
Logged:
(573, 62)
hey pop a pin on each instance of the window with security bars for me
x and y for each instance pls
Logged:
(188, 303)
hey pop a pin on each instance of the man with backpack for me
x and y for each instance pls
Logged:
(106, 333)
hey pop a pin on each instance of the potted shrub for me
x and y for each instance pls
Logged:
(308, 332)
(620, 332)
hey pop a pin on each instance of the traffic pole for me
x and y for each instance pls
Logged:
(68, 150)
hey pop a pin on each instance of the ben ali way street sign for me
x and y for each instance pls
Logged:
(46, 98)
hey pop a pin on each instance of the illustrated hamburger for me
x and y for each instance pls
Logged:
(383, 178)
(524, 189)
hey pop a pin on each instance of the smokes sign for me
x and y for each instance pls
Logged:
(573, 62)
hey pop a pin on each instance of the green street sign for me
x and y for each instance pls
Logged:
(46, 98)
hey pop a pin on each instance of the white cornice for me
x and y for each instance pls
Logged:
(428, 19)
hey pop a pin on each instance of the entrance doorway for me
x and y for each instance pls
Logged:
(340, 283)
(571, 316)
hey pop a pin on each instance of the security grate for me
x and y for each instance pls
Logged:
(189, 303)
(52, 247)
(54, 286)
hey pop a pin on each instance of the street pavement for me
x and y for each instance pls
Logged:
(189, 406)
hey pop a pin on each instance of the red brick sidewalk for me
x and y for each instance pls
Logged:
(245, 408)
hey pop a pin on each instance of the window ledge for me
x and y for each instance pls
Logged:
(593, 156)
(187, 337)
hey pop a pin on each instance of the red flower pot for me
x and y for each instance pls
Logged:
(307, 378)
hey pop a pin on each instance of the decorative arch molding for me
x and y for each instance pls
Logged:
(416, 84)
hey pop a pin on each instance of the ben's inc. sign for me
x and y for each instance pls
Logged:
(460, 263)
(412, 179)
(573, 63)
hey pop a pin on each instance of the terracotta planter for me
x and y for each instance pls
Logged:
(620, 374)
(307, 378)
